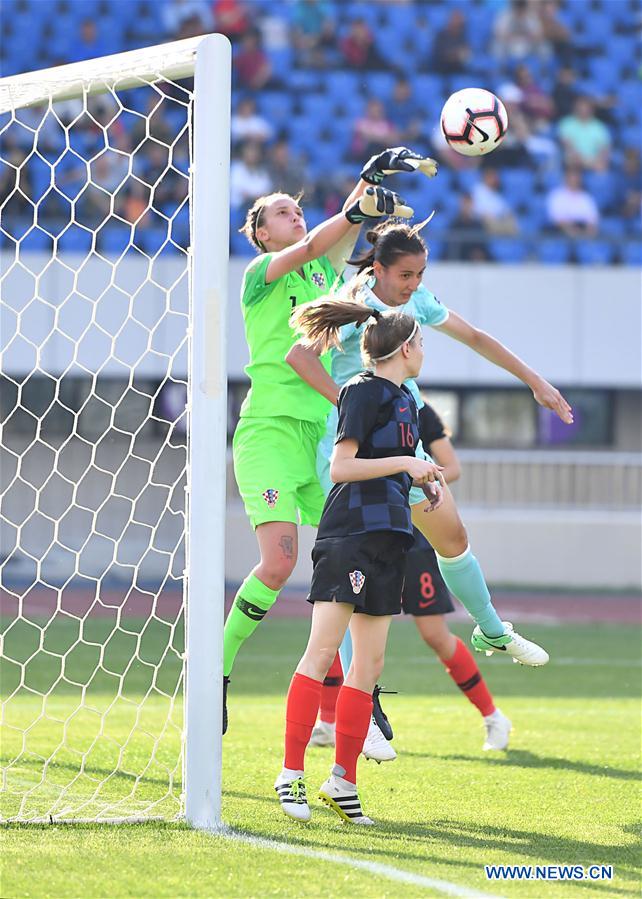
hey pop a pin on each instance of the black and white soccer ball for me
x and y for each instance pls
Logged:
(474, 121)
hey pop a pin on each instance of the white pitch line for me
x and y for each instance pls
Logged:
(401, 876)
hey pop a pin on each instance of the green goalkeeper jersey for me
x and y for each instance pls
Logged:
(275, 387)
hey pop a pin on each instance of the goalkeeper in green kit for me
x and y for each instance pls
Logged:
(282, 418)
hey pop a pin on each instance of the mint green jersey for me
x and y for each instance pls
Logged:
(276, 389)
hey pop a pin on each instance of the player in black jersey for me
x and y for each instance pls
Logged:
(427, 598)
(364, 534)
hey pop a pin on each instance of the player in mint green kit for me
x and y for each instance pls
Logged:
(390, 276)
(283, 418)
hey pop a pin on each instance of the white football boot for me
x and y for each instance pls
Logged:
(512, 644)
(375, 745)
(498, 728)
(323, 734)
(291, 793)
(341, 796)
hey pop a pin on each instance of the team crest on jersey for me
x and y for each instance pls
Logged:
(270, 496)
(318, 278)
(357, 579)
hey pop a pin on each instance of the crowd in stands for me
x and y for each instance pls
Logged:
(319, 85)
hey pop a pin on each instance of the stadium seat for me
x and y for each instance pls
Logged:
(75, 240)
(517, 183)
(553, 250)
(114, 238)
(507, 249)
(35, 240)
(632, 253)
(594, 252)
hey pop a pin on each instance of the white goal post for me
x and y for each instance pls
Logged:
(114, 434)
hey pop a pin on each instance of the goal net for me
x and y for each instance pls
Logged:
(114, 236)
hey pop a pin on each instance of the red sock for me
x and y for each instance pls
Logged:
(330, 691)
(463, 670)
(354, 708)
(300, 714)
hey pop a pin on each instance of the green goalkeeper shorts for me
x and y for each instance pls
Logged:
(275, 469)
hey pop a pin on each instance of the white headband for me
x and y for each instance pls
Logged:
(388, 355)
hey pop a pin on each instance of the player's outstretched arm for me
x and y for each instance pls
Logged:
(375, 202)
(490, 348)
(305, 361)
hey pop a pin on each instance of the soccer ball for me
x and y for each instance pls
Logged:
(474, 121)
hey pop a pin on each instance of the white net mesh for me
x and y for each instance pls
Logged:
(95, 230)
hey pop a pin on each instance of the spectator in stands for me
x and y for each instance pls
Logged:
(135, 201)
(465, 234)
(451, 50)
(404, 113)
(571, 209)
(536, 105)
(565, 91)
(249, 178)
(491, 207)
(557, 34)
(630, 173)
(287, 173)
(251, 64)
(187, 18)
(514, 151)
(585, 138)
(631, 213)
(247, 124)
(358, 47)
(518, 32)
(89, 45)
(313, 33)
(232, 18)
(373, 131)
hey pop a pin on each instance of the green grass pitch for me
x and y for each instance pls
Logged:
(565, 793)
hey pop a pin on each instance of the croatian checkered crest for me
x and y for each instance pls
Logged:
(357, 579)
(270, 496)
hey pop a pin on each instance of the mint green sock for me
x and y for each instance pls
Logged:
(251, 603)
(464, 578)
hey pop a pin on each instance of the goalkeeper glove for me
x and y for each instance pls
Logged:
(375, 202)
(397, 159)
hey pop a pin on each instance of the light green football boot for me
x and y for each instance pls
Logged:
(512, 644)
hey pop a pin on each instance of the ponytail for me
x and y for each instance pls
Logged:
(385, 332)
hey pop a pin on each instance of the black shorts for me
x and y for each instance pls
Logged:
(424, 590)
(365, 570)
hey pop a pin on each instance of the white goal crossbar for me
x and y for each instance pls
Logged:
(208, 60)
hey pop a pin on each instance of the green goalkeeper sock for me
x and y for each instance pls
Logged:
(251, 603)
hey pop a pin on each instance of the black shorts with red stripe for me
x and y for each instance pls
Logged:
(424, 589)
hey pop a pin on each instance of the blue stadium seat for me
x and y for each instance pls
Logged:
(594, 252)
(114, 238)
(517, 183)
(632, 253)
(507, 249)
(35, 240)
(75, 240)
(340, 84)
(605, 71)
(317, 107)
(612, 226)
(239, 246)
(602, 186)
(435, 248)
(553, 250)
(151, 239)
(276, 106)
(380, 85)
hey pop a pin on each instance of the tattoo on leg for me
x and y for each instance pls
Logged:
(287, 545)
